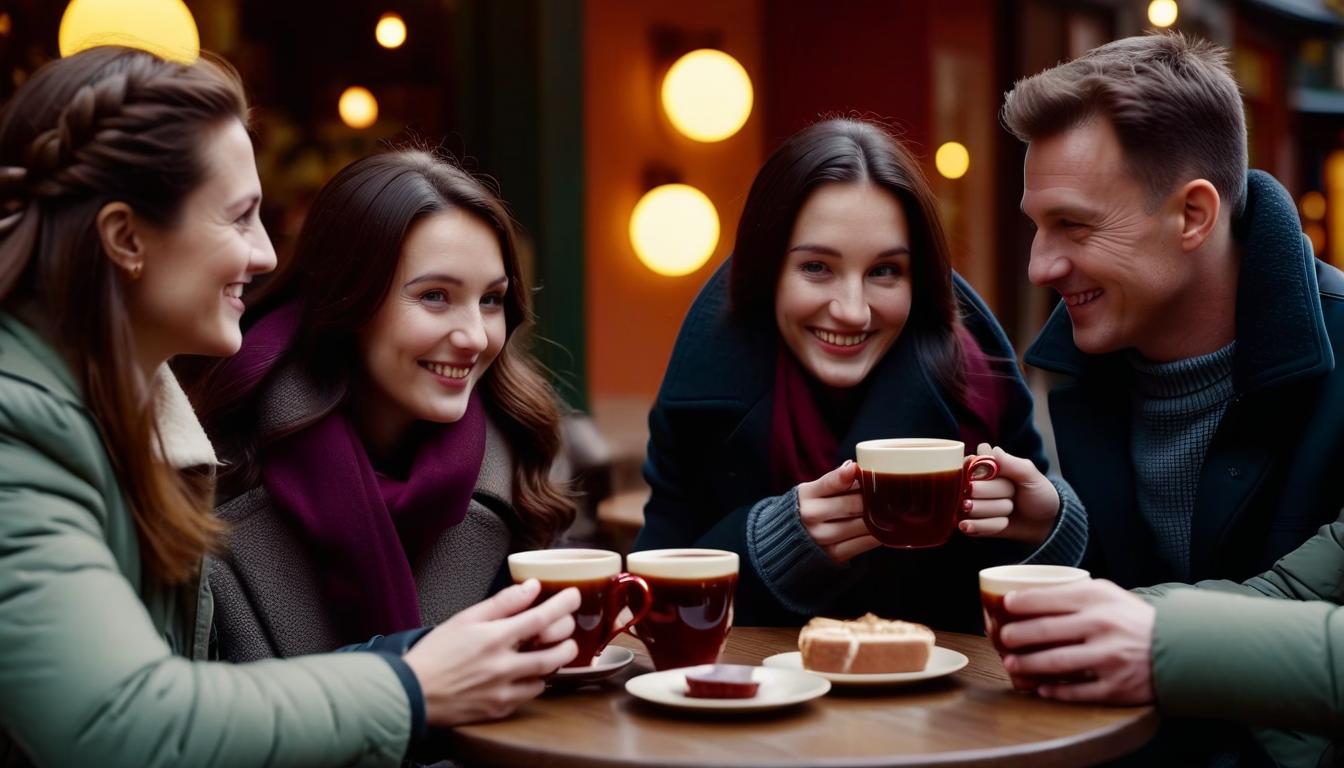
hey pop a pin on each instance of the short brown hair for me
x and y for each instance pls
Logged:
(1171, 99)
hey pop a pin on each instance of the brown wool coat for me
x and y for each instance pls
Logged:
(267, 599)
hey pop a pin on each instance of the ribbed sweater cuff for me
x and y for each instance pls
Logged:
(1068, 541)
(414, 694)
(792, 565)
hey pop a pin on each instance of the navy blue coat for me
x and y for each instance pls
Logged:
(708, 467)
(1269, 478)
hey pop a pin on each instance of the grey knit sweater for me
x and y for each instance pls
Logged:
(1176, 408)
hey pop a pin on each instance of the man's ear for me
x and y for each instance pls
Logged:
(117, 224)
(1201, 208)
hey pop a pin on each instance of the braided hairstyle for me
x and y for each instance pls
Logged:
(107, 125)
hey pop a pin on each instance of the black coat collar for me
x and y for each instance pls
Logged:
(721, 364)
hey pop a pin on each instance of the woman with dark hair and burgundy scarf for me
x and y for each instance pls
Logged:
(839, 319)
(386, 439)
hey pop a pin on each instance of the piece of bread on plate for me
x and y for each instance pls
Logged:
(866, 646)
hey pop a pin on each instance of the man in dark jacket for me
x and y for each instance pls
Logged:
(1201, 412)
(1201, 415)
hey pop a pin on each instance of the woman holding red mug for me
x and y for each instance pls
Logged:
(838, 320)
(383, 425)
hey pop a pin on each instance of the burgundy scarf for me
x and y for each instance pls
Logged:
(803, 447)
(365, 530)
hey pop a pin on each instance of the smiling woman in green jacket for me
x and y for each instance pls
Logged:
(129, 198)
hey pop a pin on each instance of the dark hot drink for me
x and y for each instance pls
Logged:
(997, 582)
(603, 591)
(692, 604)
(911, 511)
(913, 488)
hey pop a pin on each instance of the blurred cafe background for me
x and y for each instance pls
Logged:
(625, 134)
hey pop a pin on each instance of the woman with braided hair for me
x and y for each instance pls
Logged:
(128, 232)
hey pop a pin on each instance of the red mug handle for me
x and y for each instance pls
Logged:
(986, 466)
(617, 596)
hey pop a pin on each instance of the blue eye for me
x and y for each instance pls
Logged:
(493, 300)
(434, 297)
(887, 270)
(812, 268)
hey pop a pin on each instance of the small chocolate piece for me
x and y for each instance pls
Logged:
(722, 681)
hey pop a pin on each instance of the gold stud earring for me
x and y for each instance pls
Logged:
(135, 271)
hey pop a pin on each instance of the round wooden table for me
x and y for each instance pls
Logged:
(972, 718)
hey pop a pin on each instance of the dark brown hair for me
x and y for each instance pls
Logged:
(850, 151)
(343, 266)
(106, 125)
(1171, 99)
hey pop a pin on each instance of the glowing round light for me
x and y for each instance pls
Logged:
(1162, 13)
(674, 229)
(358, 108)
(1313, 206)
(707, 95)
(952, 160)
(162, 27)
(391, 31)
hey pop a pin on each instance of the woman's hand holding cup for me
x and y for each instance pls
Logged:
(469, 667)
(1020, 504)
(831, 509)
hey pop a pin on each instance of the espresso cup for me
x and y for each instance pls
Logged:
(999, 581)
(692, 604)
(913, 488)
(603, 588)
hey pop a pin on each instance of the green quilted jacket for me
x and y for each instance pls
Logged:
(99, 668)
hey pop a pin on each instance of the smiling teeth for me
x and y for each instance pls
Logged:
(839, 339)
(448, 371)
(234, 290)
(1077, 299)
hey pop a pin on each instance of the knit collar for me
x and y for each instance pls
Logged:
(1181, 378)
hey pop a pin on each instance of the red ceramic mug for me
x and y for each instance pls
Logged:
(691, 608)
(914, 488)
(603, 588)
(998, 581)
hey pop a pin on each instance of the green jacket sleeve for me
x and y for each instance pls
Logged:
(1221, 650)
(1269, 663)
(86, 678)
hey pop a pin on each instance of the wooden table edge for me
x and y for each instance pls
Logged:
(1119, 739)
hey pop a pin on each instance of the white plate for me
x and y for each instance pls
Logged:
(611, 660)
(942, 662)
(779, 688)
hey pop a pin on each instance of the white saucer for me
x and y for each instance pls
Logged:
(779, 688)
(942, 662)
(611, 660)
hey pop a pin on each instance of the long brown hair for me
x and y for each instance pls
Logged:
(344, 263)
(850, 151)
(109, 124)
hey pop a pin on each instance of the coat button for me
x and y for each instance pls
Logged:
(1234, 472)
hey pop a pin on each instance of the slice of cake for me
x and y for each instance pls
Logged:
(865, 646)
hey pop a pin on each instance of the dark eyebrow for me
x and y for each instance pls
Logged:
(822, 250)
(1064, 211)
(443, 277)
